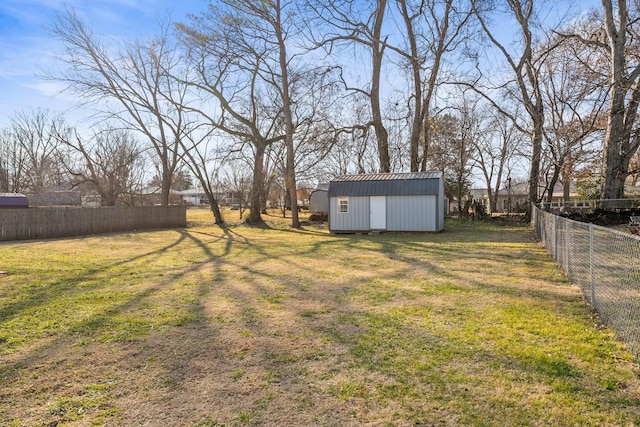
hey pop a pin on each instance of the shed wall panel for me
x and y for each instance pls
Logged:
(319, 201)
(357, 219)
(412, 213)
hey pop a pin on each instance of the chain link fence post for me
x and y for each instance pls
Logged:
(567, 241)
(592, 281)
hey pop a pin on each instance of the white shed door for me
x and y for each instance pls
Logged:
(378, 213)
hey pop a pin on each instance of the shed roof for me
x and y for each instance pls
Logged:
(385, 184)
(13, 200)
(389, 176)
(324, 186)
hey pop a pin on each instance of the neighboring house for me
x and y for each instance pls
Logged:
(91, 201)
(479, 198)
(153, 196)
(197, 197)
(55, 197)
(193, 197)
(516, 197)
(479, 194)
(387, 202)
(319, 199)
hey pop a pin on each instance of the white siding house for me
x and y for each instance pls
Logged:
(387, 202)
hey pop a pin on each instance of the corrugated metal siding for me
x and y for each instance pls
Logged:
(412, 213)
(319, 201)
(405, 187)
(357, 219)
(414, 201)
(390, 176)
(441, 205)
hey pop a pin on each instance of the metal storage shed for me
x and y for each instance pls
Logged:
(387, 202)
(13, 201)
(318, 199)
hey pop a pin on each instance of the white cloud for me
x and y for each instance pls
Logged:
(47, 88)
(27, 49)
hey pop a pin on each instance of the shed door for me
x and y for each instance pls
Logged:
(378, 213)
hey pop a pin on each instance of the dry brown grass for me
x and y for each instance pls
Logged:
(278, 327)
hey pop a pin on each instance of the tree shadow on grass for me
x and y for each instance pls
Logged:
(79, 288)
(281, 358)
(70, 284)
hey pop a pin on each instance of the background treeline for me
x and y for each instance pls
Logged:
(267, 97)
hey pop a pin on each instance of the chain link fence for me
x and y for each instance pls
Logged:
(604, 263)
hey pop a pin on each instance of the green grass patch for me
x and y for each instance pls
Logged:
(244, 326)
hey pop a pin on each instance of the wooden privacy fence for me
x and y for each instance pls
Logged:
(44, 223)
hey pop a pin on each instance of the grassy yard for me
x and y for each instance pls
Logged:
(278, 327)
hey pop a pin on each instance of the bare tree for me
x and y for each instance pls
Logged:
(237, 183)
(451, 152)
(129, 82)
(495, 147)
(575, 99)
(263, 93)
(605, 45)
(360, 24)
(277, 18)
(29, 151)
(227, 77)
(199, 154)
(249, 42)
(523, 61)
(434, 29)
(622, 138)
(109, 164)
(13, 163)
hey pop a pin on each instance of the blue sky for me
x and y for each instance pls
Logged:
(27, 48)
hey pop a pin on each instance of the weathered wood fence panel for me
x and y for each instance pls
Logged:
(44, 223)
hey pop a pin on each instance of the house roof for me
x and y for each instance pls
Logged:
(478, 192)
(55, 198)
(522, 189)
(385, 184)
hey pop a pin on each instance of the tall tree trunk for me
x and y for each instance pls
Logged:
(619, 145)
(416, 123)
(215, 208)
(536, 153)
(614, 172)
(165, 185)
(255, 202)
(614, 141)
(566, 189)
(290, 170)
(527, 77)
(552, 184)
(377, 49)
